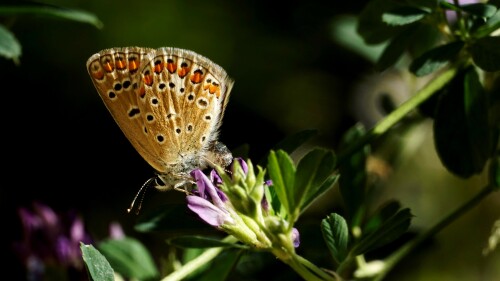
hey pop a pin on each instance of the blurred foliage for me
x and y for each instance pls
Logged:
(298, 67)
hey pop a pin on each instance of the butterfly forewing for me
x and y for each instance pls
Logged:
(168, 102)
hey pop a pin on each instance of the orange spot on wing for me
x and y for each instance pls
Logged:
(142, 92)
(214, 89)
(183, 71)
(98, 75)
(148, 79)
(197, 76)
(108, 66)
(158, 67)
(171, 66)
(133, 64)
(120, 62)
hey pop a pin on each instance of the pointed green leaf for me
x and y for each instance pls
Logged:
(40, 9)
(385, 211)
(388, 231)
(312, 171)
(336, 235)
(343, 30)
(404, 15)
(436, 58)
(486, 53)
(327, 184)
(370, 24)
(194, 241)
(489, 27)
(97, 265)
(10, 48)
(462, 133)
(282, 173)
(129, 257)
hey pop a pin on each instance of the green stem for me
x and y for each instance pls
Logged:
(396, 257)
(398, 114)
(198, 262)
(301, 266)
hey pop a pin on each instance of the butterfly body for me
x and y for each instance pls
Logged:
(169, 103)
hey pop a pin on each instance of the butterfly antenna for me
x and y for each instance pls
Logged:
(143, 188)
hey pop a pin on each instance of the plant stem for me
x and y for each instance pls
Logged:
(397, 256)
(198, 262)
(395, 116)
(303, 267)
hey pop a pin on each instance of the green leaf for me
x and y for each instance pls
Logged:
(462, 135)
(404, 15)
(309, 199)
(344, 33)
(436, 58)
(486, 53)
(129, 257)
(491, 25)
(479, 9)
(194, 241)
(97, 265)
(389, 230)
(381, 215)
(353, 177)
(9, 46)
(40, 9)
(282, 173)
(370, 24)
(336, 235)
(313, 170)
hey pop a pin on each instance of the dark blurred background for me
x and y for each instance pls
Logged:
(62, 147)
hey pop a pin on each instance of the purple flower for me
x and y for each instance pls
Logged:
(295, 238)
(50, 239)
(452, 15)
(209, 204)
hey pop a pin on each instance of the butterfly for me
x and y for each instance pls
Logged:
(169, 103)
